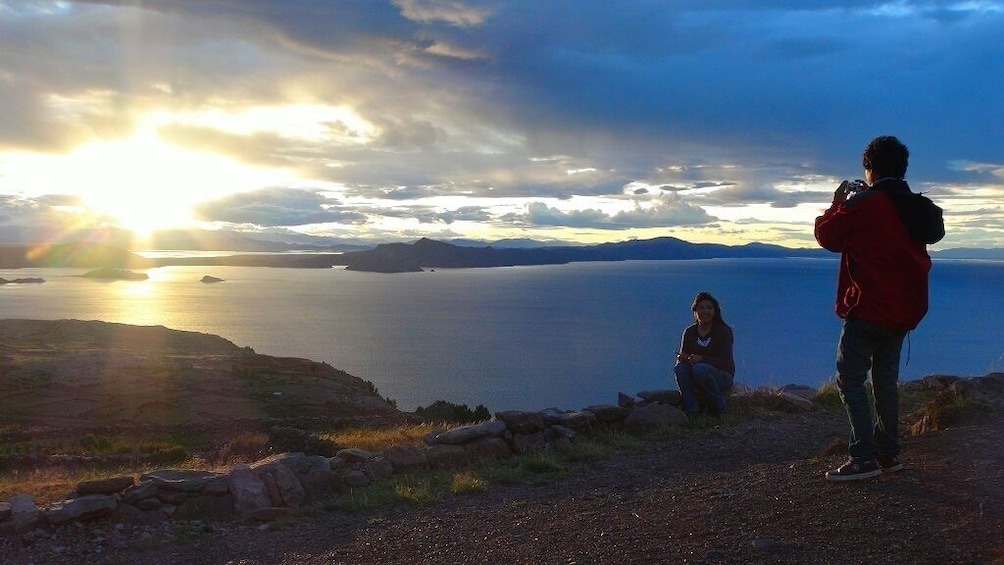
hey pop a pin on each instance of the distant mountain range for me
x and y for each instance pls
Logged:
(428, 253)
(407, 257)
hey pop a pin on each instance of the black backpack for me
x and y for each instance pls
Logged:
(923, 218)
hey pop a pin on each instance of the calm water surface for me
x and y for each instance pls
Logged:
(528, 337)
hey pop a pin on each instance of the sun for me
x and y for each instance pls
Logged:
(143, 183)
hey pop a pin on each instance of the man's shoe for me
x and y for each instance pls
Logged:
(890, 464)
(855, 470)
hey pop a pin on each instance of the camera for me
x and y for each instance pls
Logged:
(853, 186)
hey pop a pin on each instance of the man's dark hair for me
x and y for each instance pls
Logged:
(885, 156)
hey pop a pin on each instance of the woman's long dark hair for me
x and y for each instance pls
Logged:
(704, 295)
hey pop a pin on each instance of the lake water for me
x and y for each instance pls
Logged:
(561, 336)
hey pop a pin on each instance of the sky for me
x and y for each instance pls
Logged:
(725, 121)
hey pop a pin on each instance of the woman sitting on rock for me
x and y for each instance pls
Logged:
(705, 366)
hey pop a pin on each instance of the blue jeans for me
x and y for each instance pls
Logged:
(863, 347)
(713, 382)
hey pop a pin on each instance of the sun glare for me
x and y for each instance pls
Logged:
(142, 183)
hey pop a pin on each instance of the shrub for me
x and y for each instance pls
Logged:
(443, 411)
(947, 409)
(249, 446)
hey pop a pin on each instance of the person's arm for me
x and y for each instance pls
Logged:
(681, 353)
(836, 224)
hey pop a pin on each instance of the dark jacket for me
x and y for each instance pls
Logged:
(716, 349)
(881, 234)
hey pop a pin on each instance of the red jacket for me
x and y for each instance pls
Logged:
(883, 271)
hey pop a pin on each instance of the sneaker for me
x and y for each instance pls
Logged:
(890, 464)
(855, 470)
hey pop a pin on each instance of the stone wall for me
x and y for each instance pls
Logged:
(270, 488)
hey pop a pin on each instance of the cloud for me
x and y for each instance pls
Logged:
(738, 104)
(278, 207)
(667, 212)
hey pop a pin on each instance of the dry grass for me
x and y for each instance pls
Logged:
(379, 439)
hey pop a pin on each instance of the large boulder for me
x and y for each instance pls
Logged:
(79, 509)
(248, 490)
(655, 415)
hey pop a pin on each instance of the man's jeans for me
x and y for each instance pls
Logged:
(865, 346)
(713, 382)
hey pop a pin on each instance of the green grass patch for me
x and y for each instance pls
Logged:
(467, 483)
(419, 492)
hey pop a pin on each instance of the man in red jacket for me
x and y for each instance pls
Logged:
(880, 228)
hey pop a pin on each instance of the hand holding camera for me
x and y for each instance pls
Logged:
(847, 188)
(851, 186)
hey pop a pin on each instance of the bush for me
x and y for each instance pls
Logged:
(247, 447)
(443, 411)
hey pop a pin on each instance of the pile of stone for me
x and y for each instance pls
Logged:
(270, 488)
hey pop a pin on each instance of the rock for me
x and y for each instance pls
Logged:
(248, 490)
(296, 462)
(806, 392)
(174, 497)
(354, 456)
(939, 382)
(520, 422)
(527, 443)
(655, 415)
(666, 396)
(110, 485)
(796, 400)
(79, 509)
(139, 491)
(988, 389)
(444, 456)
(24, 514)
(5, 511)
(379, 467)
(556, 431)
(577, 420)
(183, 480)
(318, 483)
(625, 400)
(489, 448)
(608, 412)
(406, 458)
(148, 504)
(216, 486)
(357, 478)
(318, 463)
(283, 487)
(469, 433)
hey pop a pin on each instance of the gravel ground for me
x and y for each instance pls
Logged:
(752, 493)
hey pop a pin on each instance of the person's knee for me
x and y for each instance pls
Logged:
(704, 375)
(850, 382)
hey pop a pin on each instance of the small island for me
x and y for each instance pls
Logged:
(115, 274)
(210, 279)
